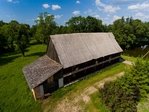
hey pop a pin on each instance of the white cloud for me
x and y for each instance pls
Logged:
(56, 7)
(97, 16)
(77, 2)
(45, 6)
(111, 9)
(142, 16)
(98, 3)
(10, 0)
(139, 6)
(115, 17)
(76, 13)
(139, 14)
(58, 16)
(106, 7)
(13, 1)
(90, 12)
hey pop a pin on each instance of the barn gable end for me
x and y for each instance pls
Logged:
(51, 52)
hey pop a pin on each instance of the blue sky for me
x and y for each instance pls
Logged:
(27, 11)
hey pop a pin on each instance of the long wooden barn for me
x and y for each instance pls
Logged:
(70, 57)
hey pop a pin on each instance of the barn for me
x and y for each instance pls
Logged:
(70, 57)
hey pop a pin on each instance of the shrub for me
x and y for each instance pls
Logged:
(123, 94)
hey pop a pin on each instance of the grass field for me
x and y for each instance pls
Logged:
(15, 95)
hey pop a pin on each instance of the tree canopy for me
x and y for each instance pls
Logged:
(14, 36)
(45, 26)
(85, 24)
(129, 32)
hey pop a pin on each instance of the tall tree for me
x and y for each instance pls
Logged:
(130, 33)
(22, 39)
(85, 24)
(45, 27)
(77, 24)
(94, 25)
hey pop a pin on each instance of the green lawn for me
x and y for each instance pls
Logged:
(14, 93)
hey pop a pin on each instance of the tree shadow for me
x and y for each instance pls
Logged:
(36, 54)
(11, 56)
(7, 59)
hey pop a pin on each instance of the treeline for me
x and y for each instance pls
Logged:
(124, 94)
(14, 36)
(129, 32)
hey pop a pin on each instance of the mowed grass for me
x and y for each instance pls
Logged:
(15, 95)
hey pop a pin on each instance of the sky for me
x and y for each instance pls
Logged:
(27, 11)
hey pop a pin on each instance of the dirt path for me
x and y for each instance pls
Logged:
(73, 105)
(128, 62)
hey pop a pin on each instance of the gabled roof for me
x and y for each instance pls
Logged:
(77, 48)
(40, 70)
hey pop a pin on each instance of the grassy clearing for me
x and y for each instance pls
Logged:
(74, 90)
(14, 92)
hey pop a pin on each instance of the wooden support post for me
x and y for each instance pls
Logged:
(34, 94)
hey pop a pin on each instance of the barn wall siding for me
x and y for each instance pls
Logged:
(89, 67)
(38, 92)
(52, 84)
(68, 75)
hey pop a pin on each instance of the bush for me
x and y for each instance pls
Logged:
(123, 94)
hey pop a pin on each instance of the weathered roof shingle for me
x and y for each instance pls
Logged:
(40, 70)
(73, 49)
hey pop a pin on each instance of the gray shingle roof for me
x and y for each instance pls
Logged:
(40, 70)
(73, 49)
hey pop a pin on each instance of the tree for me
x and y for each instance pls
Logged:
(123, 94)
(3, 42)
(45, 27)
(94, 25)
(13, 32)
(85, 24)
(130, 33)
(33, 31)
(14, 36)
(22, 39)
(77, 24)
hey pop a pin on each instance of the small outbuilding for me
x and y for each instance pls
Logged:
(70, 57)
